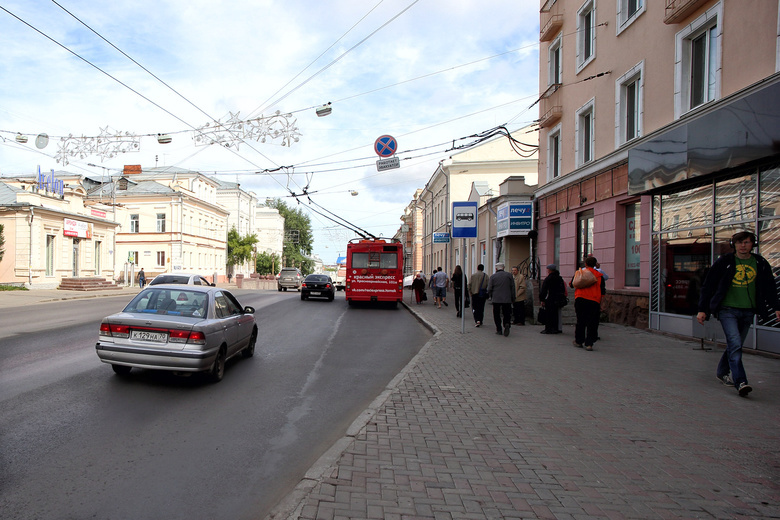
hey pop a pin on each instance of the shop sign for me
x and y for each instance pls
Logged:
(514, 218)
(77, 228)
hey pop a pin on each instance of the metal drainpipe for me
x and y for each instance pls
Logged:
(29, 264)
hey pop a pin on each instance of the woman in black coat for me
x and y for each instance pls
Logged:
(419, 288)
(551, 294)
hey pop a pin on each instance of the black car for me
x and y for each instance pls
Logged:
(319, 285)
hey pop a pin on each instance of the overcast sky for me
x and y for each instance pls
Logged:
(426, 72)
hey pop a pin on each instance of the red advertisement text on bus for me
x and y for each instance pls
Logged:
(375, 270)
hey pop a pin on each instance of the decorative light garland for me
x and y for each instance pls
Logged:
(229, 134)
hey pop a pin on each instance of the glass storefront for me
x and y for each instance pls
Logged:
(692, 227)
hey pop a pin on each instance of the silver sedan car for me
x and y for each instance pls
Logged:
(182, 328)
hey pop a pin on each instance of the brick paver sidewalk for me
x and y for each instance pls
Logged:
(528, 426)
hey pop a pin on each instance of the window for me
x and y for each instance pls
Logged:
(628, 112)
(554, 153)
(633, 241)
(556, 232)
(584, 235)
(160, 258)
(50, 241)
(554, 59)
(628, 12)
(697, 62)
(586, 35)
(132, 257)
(135, 224)
(583, 128)
(161, 222)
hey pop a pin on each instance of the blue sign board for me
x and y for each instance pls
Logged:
(385, 146)
(514, 218)
(464, 220)
(441, 238)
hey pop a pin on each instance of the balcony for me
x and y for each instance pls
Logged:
(551, 116)
(678, 10)
(551, 28)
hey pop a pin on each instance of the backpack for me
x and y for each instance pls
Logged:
(583, 278)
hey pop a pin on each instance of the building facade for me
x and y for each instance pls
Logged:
(490, 164)
(620, 79)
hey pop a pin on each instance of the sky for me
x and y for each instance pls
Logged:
(430, 73)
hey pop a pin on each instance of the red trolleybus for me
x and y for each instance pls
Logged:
(375, 270)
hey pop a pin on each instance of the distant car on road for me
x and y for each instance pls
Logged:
(182, 328)
(289, 278)
(319, 285)
(184, 279)
(341, 278)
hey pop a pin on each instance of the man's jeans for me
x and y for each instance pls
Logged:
(736, 325)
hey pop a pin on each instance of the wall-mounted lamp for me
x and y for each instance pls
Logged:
(583, 199)
(324, 110)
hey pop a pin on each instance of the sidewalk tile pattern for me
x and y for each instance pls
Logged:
(485, 426)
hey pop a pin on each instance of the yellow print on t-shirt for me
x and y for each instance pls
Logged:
(745, 275)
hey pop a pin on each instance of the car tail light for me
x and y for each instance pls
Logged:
(303, 284)
(115, 331)
(186, 336)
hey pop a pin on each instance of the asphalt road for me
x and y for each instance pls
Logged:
(77, 441)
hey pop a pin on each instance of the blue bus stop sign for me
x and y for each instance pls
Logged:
(464, 220)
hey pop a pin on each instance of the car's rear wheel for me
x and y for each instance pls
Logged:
(121, 370)
(284, 289)
(249, 351)
(330, 298)
(280, 289)
(303, 296)
(217, 371)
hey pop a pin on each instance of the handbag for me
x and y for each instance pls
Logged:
(542, 316)
(563, 301)
(425, 297)
(583, 278)
(468, 301)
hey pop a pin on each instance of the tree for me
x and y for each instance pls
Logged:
(2, 242)
(239, 249)
(298, 237)
(267, 263)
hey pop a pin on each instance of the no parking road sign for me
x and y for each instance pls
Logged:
(385, 146)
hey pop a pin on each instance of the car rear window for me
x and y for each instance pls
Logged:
(171, 278)
(317, 278)
(173, 302)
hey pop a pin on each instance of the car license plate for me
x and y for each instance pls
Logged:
(143, 335)
(315, 293)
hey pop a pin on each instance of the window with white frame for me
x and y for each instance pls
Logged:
(161, 222)
(697, 63)
(554, 153)
(627, 12)
(554, 74)
(586, 34)
(135, 224)
(160, 258)
(583, 129)
(629, 105)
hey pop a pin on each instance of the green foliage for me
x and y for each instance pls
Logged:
(2, 242)
(268, 263)
(239, 249)
(298, 238)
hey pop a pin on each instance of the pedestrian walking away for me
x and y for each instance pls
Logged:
(501, 291)
(477, 286)
(739, 285)
(440, 281)
(141, 278)
(458, 280)
(418, 286)
(551, 294)
(587, 304)
(518, 308)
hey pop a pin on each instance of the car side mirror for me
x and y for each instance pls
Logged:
(249, 310)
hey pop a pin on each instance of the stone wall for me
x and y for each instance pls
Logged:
(626, 308)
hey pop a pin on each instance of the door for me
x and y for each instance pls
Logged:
(75, 257)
